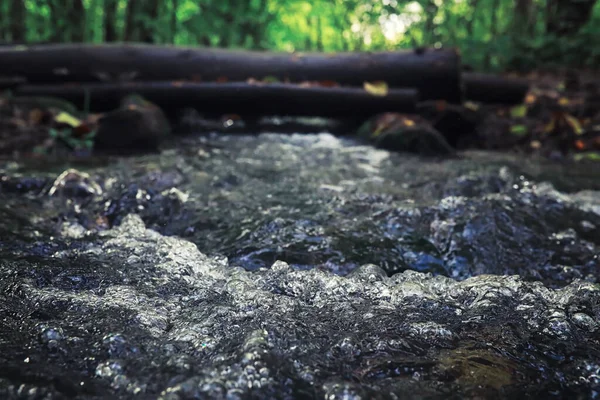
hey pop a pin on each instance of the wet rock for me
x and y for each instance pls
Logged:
(137, 125)
(402, 133)
(73, 183)
(456, 123)
(418, 140)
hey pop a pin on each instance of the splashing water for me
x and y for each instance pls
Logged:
(300, 267)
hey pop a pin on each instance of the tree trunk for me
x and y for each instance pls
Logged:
(524, 20)
(76, 21)
(58, 28)
(471, 21)
(493, 89)
(239, 98)
(566, 17)
(174, 7)
(320, 46)
(110, 20)
(11, 83)
(4, 21)
(130, 21)
(494, 32)
(431, 10)
(146, 28)
(17, 21)
(436, 73)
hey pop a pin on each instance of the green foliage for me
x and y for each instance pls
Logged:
(492, 34)
(67, 136)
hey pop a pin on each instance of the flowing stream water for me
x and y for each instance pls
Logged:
(299, 266)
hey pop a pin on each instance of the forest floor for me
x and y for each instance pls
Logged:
(559, 119)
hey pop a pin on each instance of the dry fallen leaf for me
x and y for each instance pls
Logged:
(328, 84)
(574, 124)
(253, 81)
(378, 88)
(471, 106)
(530, 99)
(35, 116)
(93, 119)
(549, 127)
(441, 105)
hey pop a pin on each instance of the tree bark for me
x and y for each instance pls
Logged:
(76, 18)
(151, 14)
(487, 60)
(565, 17)
(110, 19)
(493, 89)
(239, 98)
(431, 10)
(17, 21)
(130, 21)
(435, 73)
(4, 21)
(524, 19)
(11, 82)
(58, 31)
(471, 19)
(174, 7)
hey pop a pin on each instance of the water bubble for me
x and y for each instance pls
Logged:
(49, 333)
(584, 321)
(109, 369)
(342, 391)
(368, 273)
(281, 266)
(117, 346)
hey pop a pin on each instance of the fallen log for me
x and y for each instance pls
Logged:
(435, 73)
(238, 98)
(11, 82)
(494, 89)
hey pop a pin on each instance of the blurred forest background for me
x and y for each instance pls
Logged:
(493, 35)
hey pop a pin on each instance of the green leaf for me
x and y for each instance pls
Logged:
(519, 111)
(66, 118)
(590, 156)
(518, 130)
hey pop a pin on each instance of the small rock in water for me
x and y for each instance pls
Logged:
(402, 133)
(138, 124)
